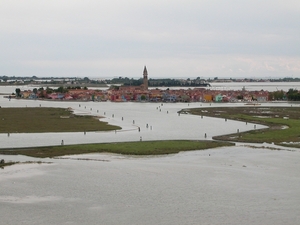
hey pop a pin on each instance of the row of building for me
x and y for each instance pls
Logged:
(144, 94)
(138, 94)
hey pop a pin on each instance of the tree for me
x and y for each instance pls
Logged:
(143, 97)
(240, 97)
(49, 90)
(42, 92)
(276, 95)
(61, 89)
(35, 91)
(18, 92)
(293, 95)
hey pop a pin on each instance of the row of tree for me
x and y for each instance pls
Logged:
(159, 82)
(291, 95)
(42, 92)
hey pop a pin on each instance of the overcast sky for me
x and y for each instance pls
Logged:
(173, 38)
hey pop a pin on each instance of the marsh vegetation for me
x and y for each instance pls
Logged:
(40, 119)
(283, 123)
(128, 148)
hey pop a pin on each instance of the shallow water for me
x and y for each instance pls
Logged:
(229, 185)
(256, 86)
(235, 185)
(163, 122)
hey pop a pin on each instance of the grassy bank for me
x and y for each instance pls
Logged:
(129, 148)
(2, 165)
(36, 120)
(283, 122)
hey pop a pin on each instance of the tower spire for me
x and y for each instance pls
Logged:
(145, 71)
(145, 76)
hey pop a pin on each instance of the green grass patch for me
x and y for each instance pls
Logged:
(128, 148)
(37, 120)
(2, 165)
(283, 122)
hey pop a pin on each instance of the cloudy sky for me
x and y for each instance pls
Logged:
(173, 38)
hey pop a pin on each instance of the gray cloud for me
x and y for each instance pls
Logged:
(173, 38)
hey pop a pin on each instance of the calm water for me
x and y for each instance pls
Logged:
(257, 86)
(162, 119)
(250, 86)
(236, 185)
(232, 185)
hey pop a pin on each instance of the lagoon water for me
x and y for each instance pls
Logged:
(236, 185)
(162, 119)
(256, 86)
(229, 185)
(249, 86)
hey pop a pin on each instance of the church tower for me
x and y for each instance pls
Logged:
(145, 75)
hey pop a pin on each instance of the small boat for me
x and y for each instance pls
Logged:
(254, 104)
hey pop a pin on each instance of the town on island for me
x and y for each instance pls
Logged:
(140, 91)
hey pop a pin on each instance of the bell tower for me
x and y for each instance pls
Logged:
(145, 76)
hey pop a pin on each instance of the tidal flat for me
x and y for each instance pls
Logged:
(283, 123)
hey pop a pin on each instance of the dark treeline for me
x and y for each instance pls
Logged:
(291, 95)
(160, 82)
(177, 83)
(131, 81)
